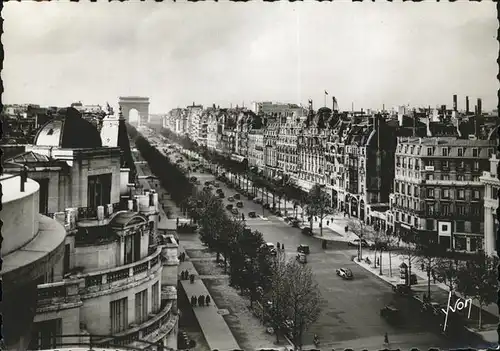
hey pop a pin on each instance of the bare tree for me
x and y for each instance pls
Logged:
(278, 293)
(303, 298)
(429, 254)
(362, 231)
(319, 205)
(389, 242)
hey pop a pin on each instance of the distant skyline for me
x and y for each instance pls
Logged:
(368, 54)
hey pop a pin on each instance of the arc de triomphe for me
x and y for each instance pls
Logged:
(141, 104)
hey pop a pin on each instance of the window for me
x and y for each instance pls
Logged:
(475, 178)
(403, 189)
(461, 194)
(446, 193)
(397, 216)
(445, 209)
(460, 226)
(475, 165)
(445, 177)
(429, 224)
(429, 151)
(429, 176)
(119, 315)
(44, 334)
(476, 194)
(460, 152)
(403, 217)
(445, 165)
(461, 210)
(99, 190)
(490, 152)
(141, 306)
(475, 227)
(475, 152)
(43, 203)
(494, 193)
(155, 297)
(461, 177)
(397, 187)
(430, 193)
(415, 221)
(429, 162)
(444, 151)
(461, 165)
(132, 248)
(431, 209)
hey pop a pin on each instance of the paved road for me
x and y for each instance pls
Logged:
(350, 310)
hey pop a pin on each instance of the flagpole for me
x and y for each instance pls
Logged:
(325, 98)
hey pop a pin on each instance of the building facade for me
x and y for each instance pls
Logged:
(256, 148)
(117, 276)
(437, 189)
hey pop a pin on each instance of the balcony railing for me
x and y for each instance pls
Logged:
(55, 294)
(164, 320)
(69, 217)
(101, 281)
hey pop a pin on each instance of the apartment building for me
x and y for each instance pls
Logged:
(437, 189)
(212, 130)
(491, 187)
(271, 135)
(116, 275)
(256, 148)
(287, 145)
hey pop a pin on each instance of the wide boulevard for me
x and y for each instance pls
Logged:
(350, 311)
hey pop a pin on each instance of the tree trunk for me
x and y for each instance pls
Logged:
(480, 313)
(390, 265)
(375, 258)
(217, 258)
(380, 263)
(429, 282)
(279, 203)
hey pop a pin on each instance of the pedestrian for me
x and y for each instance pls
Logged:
(433, 277)
(327, 223)
(386, 338)
(315, 218)
(183, 275)
(422, 266)
(207, 300)
(193, 301)
(282, 246)
(378, 261)
(424, 298)
(200, 300)
(191, 278)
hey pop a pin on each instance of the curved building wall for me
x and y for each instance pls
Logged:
(19, 213)
(96, 257)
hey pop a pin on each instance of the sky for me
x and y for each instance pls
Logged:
(366, 54)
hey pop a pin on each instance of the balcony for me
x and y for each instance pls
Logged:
(160, 323)
(71, 216)
(59, 295)
(99, 281)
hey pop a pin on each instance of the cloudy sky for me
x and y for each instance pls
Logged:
(368, 54)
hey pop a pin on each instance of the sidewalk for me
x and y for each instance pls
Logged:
(439, 291)
(214, 327)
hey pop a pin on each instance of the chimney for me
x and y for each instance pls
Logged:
(467, 105)
(335, 106)
(23, 177)
(414, 123)
(454, 102)
(479, 107)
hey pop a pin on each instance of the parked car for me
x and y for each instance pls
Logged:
(304, 249)
(250, 197)
(301, 257)
(207, 183)
(267, 207)
(193, 179)
(288, 219)
(307, 231)
(218, 191)
(355, 243)
(230, 199)
(432, 307)
(237, 196)
(239, 204)
(217, 185)
(257, 200)
(252, 214)
(229, 207)
(234, 211)
(221, 195)
(344, 273)
(402, 289)
(295, 223)
(391, 314)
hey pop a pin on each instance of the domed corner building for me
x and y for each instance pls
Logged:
(70, 131)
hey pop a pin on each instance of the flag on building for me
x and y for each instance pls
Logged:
(326, 93)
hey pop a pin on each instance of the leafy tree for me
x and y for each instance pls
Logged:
(319, 205)
(446, 271)
(303, 298)
(390, 241)
(478, 279)
(429, 253)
